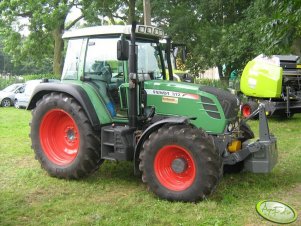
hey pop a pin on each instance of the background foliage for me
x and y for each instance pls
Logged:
(231, 32)
(8, 80)
(217, 32)
(4, 82)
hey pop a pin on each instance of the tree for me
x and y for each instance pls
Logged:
(26, 66)
(232, 32)
(147, 12)
(204, 26)
(5, 65)
(46, 23)
(114, 10)
(282, 30)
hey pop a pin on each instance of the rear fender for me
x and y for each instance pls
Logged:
(75, 91)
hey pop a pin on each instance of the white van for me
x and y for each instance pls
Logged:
(22, 99)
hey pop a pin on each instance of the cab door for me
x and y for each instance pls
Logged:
(105, 73)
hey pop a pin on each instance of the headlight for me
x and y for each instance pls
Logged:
(149, 30)
(141, 29)
(230, 127)
(236, 124)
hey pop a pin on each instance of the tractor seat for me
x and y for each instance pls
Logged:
(101, 78)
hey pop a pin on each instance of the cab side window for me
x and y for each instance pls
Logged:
(71, 66)
(104, 71)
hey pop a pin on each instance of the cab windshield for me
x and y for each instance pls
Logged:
(149, 60)
(101, 53)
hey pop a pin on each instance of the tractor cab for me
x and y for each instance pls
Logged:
(93, 58)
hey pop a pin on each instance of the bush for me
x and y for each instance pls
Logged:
(40, 76)
(6, 81)
(212, 82)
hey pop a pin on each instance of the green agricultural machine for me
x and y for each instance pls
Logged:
(275, 82)
(114, 103)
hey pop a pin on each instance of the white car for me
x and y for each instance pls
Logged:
(7, 95)
(22, 99)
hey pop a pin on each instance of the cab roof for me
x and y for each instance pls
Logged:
(149, 31)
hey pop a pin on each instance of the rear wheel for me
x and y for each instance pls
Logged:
(180, 163)
(6, 102)
(62, 137)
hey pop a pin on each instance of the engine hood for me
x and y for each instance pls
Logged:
(211, 108)
(188, 88)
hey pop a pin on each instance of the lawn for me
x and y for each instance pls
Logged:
(114, 196)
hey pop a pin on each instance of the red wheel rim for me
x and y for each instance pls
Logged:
(246, 110)
(59, 137)
(165, 173)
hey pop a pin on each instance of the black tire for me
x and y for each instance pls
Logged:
(198, 173)
(247, 133)
(6, 102)
(63, 139)
(234, 169)
(248, 108)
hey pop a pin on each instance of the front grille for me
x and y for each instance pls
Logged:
(228, 101)
(210, 107)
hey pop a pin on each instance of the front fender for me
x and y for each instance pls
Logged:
(75, 91)
(151, 129)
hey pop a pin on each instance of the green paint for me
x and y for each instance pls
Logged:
(97, 102)
(187, 103)
(277, 212)
(191, 107)
(260, 79)
(183, 106)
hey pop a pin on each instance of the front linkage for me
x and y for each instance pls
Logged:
(261, 155)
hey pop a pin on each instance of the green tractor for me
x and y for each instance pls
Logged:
(114, 103)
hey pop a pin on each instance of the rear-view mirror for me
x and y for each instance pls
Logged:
(122, 49)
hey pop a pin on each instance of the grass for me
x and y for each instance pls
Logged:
(113, 196)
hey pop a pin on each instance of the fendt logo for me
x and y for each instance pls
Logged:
(172, 94)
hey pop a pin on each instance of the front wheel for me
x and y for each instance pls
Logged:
(63, 139)
(180, 163)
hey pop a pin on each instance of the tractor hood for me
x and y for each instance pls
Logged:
(172, 86)
(211, 108)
